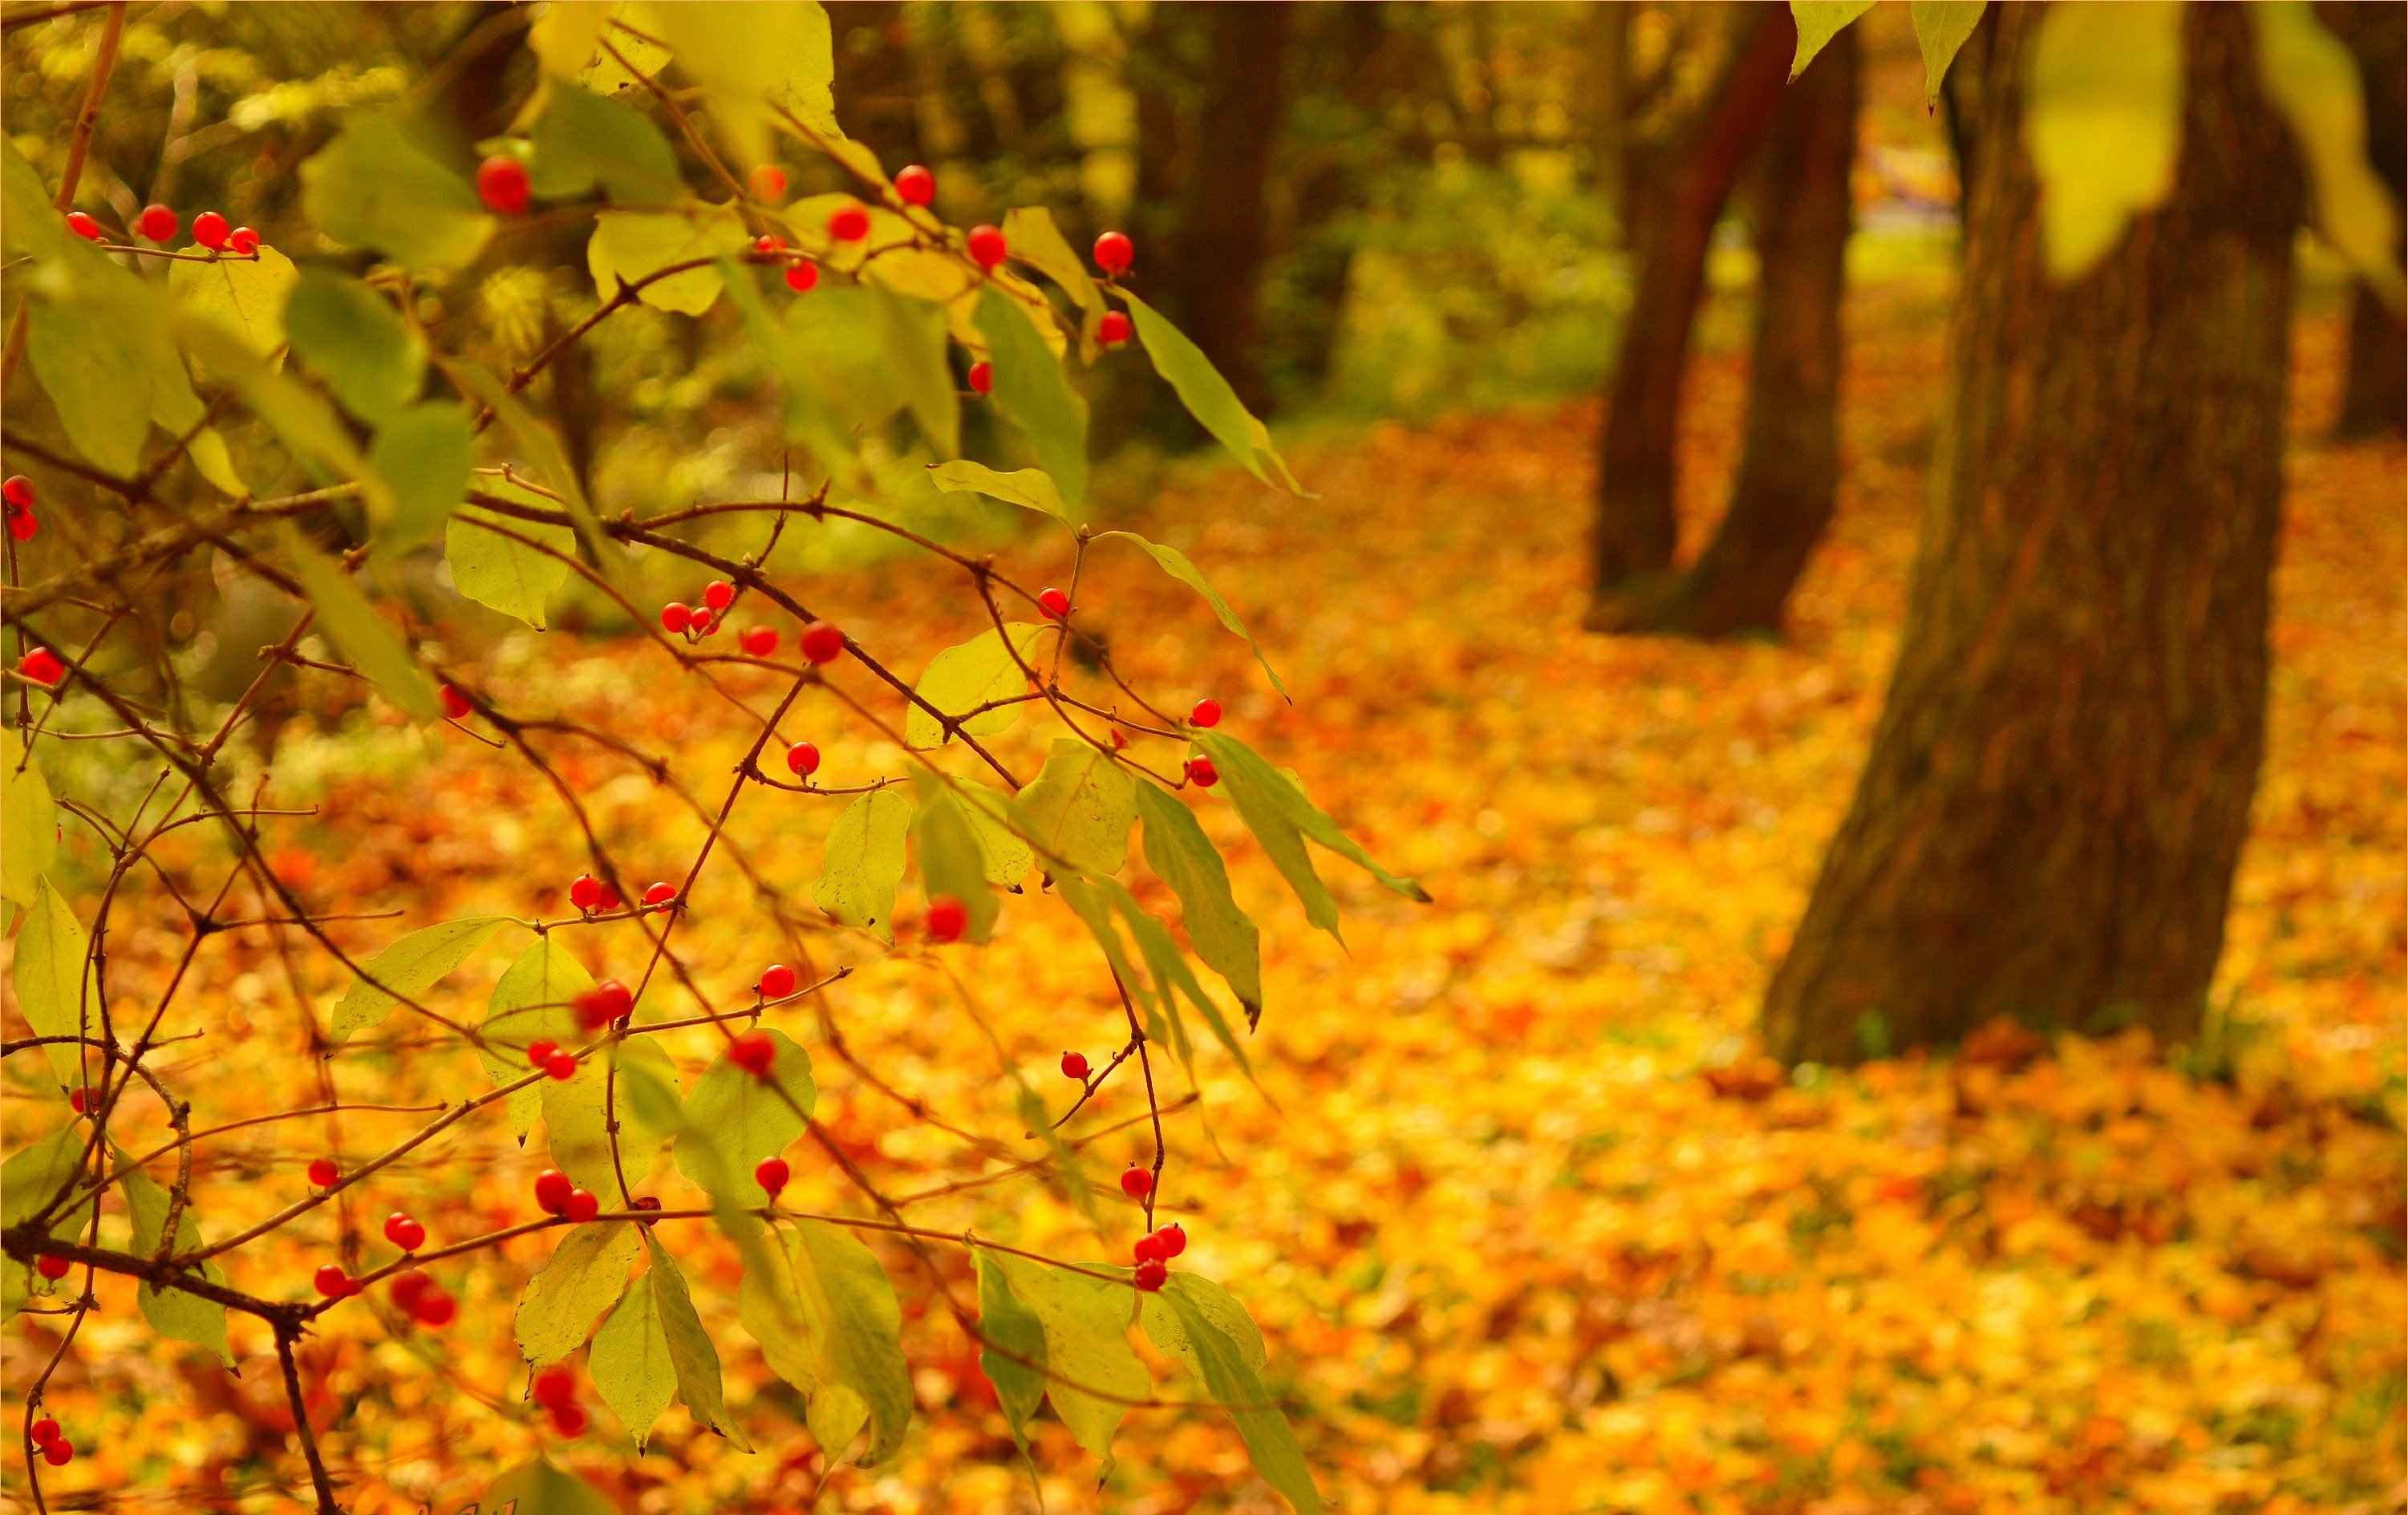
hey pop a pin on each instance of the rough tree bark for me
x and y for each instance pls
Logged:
(1789, 462)
(1221, 231)
(2375, 385)
(1635, 525)
(2059, 783)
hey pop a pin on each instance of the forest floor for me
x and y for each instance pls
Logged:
(1527, 1226)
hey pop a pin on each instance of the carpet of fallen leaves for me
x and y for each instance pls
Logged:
(1529, 1228)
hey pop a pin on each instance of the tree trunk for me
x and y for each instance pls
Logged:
(1789, 462)
(2059, 783)
(2375, 384)
(1635, 525)
(1222, 234)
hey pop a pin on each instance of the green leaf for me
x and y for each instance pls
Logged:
(1035, 241)
(747, 57)
(1028, 488)
(690, 1354)
(583, 139)
(839, 352)
(36, 1174)
(1232, 1381)
(409, 968)
(1080, 807)
(1013, 1349)
(950, 861)
(93, 372)
(913, 334)
(1090, 901)
(630, 1362)
(493, 565)
(566, 36)
(743, 1119)
(301, 418)
(424, 455)
(587, 1271)
(1168, 1329)
(1178, 565)
(1207, 395)
(1818, 22)
(1008, 857)
(865, 862)
(962, 679)
(30, 226)
(1182, 856)
(1940, 27)
(374, 187)
(530, 1004)
(2103, 122)
(29, 826)
(1031, 390)
(538, 1488)
(51, 954)
(826, 1318)
(631, 245)
(171, 1311)
(247, 296)
(1242, 766)
(350, 335)
(2314, 82)
(1085, 1319)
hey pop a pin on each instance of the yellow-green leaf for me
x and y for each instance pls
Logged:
(1032, 391)
(827, 1321)
(2314, 82)
(352, 337)
(374, 187)
(1178, 565)
(1080, 807)
(530, 1004)
(52, 951)
(245, 295)
(742, 1118)
(692, 1356)
(1182, 856)
(1818, 22)
(424, 454)
(2103, 122)
(963, 679)
(1028, 488)
(409, 968)
(629, 246)
(950, 861)
(863, 862)
(587, 1270)
(1088, 1354)
(171, 1311)
(29, 828)
(374, 645)
(630, 1361)
(492, 563)
(1941, 28)
(1207, 395)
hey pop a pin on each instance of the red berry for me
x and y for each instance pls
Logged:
(22, 524)
(404, 1232)
(322, 1173)
(157, 222)
(916, 185)
(456, 705)
(581, 1206)
(209, 230)
(701, 619)
(502, 184)
(409, 1286)
(42, 667)
(759, 641)
(719, 594)
(1137, 1182)
(821, 643)
(1201, 773)
(1151, 1275)
(45, 1431)
(435, 1307)
(585, 891)
(987, 246)
(555, 1385)
(1206, 714)
(948, 918)
(1173, 1239)
(1147, 1248)
(59, 1453)
(1114, 253)
(1074, 1065)
(83, 226)
(850, 223)
(332, 1281)
(767, 247)
(804, 759)
(772, 1175)
(604, 1003)
(1054, 602)
(660, 893)
(982, 377)
(77, 1100)
(243, 241)
(54, 1267)
(753, 1051)
(539, 1052)
(1114, 329)
(803, 275)
(560, 1067)
(569, 1420)
(19, 490)
(675, 617)
(552, 1190)
(769, 182)
(777, 981)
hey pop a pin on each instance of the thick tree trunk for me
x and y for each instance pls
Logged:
(2375, 385)
(1222, 234)
(2059, 783)
(1635, 525)
(1789, 463)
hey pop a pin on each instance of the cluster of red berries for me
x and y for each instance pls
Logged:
(609, 1000)
(546, 1054)
(556, 1194)
(1153, 1253)
(416, 1294)
(802, 274)
(158, 224)
(682, 620)
(41, 666)
(589, 893)
(556, 1390)
(56, 1450)
(19, 494)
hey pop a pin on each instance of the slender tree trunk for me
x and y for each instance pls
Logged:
(2059, 783)
(1635, 526)
(1221, 236)
(1789, 463)
(2375, 384)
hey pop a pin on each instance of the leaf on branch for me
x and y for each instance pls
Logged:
(692, 1356)
(374, 187)
(1013, 1351)
(35, 1174)
(911, 333)
(1275, 809)
(1030, 489)
(1228, 1373)
(1207, 395)
(566, 37)
(1080, 807)
(748, 57)
(540, 447)
(29, 822)
(92, 366)
(587, 1271)
(1035, 395)
(424, 455)
(492, 563)
(1006, 853)
(171, 1311)
(351, 336)
(249, 296)
(538, 1488)
(52, 952)
(2314, 82)
(1094, 1371)
(1182, 856)
(827, 1321)
(962, 679)
(1035, 241)
(629, 246)
(863, 862)
(531, 1003)
(630, 1361)
(1178, 565)
(409, 968)
(2103, 122)
(583, 139)
(1941, 28)
(30, 226)
(742, 1118)
(1818, 22)
(950, 860)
